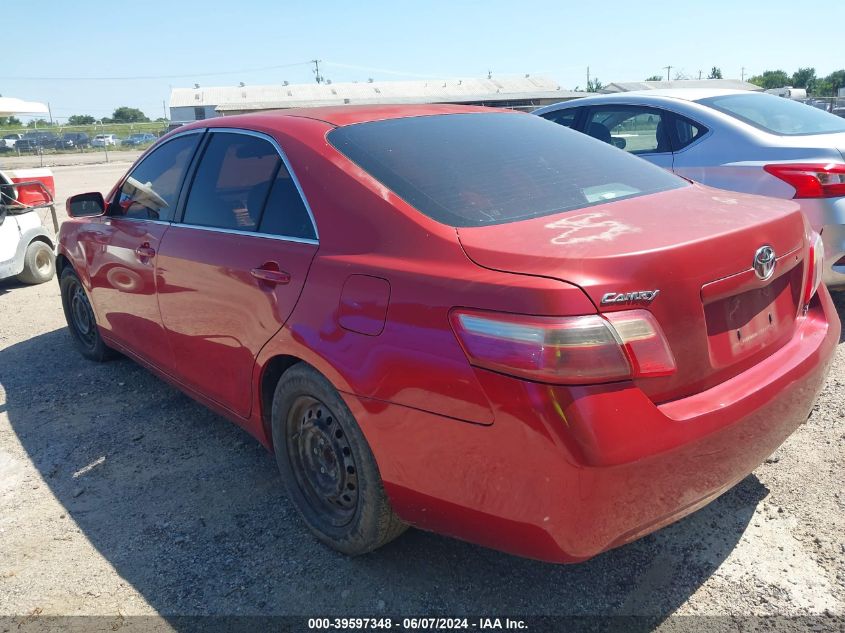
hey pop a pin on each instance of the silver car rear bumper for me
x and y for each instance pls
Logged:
(827, 216)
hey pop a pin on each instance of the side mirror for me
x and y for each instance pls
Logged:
(86, 205)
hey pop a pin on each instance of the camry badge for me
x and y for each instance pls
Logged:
(641, 296)
(764, 262)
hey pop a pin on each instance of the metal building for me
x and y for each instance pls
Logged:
(525, 92)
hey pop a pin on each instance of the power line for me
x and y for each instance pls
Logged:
(137, 77)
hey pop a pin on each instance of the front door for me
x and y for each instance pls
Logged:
(122, 260)
(232, 271)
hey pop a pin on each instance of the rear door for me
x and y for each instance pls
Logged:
(232, 270)
(122, 254)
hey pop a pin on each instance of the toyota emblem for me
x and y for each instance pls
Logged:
(764, 262)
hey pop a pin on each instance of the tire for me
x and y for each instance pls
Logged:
(39, 263)
(345, 505)
(80, 319)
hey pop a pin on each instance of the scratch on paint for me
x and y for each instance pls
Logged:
(558, 408)
(589, 227)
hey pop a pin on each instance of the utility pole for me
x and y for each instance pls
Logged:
(699, 75)
(588, 79)
(742, 74)
(317, 74)
(50, 113)
(668, 70)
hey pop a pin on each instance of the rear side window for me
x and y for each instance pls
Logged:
(776, 115)
(687, 132)
(151, 190)
(492, 168)
(285, 213)
(232, 182)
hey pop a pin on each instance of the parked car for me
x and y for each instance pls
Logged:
(37, 141)
(140, 139)
(103, 140)
(731, 139)
(71, 140)
(8, 141)
(468, 320)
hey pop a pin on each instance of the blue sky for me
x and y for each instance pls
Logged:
(223, 42)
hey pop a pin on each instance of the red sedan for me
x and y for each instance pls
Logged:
(472, 321)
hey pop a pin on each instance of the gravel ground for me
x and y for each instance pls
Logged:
(120, 496)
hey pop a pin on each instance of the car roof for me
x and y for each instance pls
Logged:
(349, 115)
(643, 96)
(687, 94)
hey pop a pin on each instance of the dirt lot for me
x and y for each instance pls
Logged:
(121, 496)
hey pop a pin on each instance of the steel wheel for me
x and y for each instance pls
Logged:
(82, 316)
(322, 460)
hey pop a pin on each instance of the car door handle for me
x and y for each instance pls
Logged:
(276, 277)
(145, 251)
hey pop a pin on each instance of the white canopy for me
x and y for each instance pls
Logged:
(10, 105)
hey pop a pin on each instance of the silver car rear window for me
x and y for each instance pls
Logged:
(777, 115)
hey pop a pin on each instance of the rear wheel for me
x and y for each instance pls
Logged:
(327, 466)
(80, 319)
(39, 263)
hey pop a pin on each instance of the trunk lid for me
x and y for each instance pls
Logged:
(696, 246)
(834, 141)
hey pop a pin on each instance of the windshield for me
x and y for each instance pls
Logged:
(480, 169)
(777, 115)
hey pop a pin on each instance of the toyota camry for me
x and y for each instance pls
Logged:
(471, 321)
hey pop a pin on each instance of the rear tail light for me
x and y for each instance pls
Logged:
(811, 180)
(565, 350)
(815, 268)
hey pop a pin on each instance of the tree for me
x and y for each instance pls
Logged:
(81, 119)
(594, 85)
(9, 121)
(771, 79)
(38, 123)
(655, 78)
(681, 76)
(830, 85)
(715, 73)
(804, 78)
(125, 114)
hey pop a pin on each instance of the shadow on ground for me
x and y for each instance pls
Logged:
(189, 510)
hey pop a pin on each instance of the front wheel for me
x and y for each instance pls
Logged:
(39, 263)
(80, 319)
(327, 466)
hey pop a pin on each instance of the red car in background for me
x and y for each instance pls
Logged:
(472, 321)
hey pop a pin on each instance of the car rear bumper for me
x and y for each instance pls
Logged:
(827, 216)
(563, 474)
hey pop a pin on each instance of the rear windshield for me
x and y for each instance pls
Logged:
(777, 115)
(492, 168)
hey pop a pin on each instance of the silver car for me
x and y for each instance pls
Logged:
(731, 139)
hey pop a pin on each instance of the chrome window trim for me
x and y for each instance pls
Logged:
(268, 236)
(109, 218)
(289, 167)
